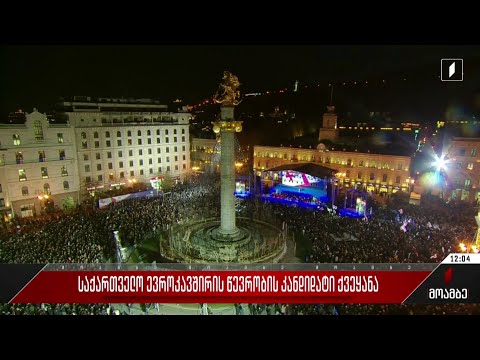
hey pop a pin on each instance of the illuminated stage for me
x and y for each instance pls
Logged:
(352, 213)
(359, 211)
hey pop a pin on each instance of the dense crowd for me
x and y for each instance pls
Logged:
(412, 234)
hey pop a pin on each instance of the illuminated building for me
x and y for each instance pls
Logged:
(372, 172)
(201, 154)
(463, 168)
(98, 143)
(329, 130)
(38, 166)
(121, 139)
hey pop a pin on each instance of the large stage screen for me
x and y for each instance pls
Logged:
(295, 178)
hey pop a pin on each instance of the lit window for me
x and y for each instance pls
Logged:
(16, 139)
(60, 138)
(38, 130)
(19, 157)
(64, 171)
(470, 166)
(46, 188)
(41, 156)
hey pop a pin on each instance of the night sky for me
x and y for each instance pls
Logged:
(37, 75)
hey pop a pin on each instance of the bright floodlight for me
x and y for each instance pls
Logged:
(440, 163)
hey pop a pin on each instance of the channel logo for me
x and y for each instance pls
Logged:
(452, 70)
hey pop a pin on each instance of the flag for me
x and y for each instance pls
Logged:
(335, 312)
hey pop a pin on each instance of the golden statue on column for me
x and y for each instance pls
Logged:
(228, 93)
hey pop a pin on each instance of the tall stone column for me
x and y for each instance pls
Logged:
(227, 126)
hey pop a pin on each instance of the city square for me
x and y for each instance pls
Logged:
(242, 177)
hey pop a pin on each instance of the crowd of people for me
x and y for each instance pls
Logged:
(412, 234)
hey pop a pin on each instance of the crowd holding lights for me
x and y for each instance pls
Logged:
(435, 229)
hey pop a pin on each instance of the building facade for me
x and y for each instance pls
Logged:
(38, 166)
(202, 154)
(119, 140)
(463, 169)
(371, 172)
(102, 143)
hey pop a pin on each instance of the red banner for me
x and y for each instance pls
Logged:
(367, 287)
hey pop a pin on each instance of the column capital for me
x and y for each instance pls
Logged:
(227, 126)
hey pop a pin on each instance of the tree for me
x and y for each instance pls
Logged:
(167, 182)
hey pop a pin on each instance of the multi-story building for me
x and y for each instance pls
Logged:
(202, 154)
(373, 172)
(94, 143)
(119, 140)
(463, 168)
(38, 166)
